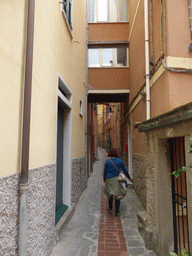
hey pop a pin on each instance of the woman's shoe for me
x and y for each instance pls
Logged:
(117, 215)
(109, 210)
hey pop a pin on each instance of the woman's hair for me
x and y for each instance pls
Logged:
(113, 153)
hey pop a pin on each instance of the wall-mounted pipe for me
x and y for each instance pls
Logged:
(23, 217)
(152, 62)
(147, 75)
(190, 23)
(164, 60)
(86, 96)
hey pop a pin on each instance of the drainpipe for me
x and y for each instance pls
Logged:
(190, 23)
(86, 97)
(152, 62)
(165, 33)
(23, 217)
(147, 73)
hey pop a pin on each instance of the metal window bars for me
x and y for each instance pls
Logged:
(179, 197)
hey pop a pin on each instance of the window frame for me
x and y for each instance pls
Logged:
(108, 13)
(114, 56)
(67, 14)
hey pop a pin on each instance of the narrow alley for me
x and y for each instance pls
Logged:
(78, 79)
(93, 231)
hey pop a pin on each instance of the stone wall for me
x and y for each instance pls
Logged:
(41, 212)
(42, 194)
(79, 180)
(159, 233)
(139, 177)
(124, 157)
(9, 214)
(152, 191)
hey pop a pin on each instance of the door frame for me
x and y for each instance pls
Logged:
(64, 98)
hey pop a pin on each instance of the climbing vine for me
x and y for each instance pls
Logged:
(183, 253)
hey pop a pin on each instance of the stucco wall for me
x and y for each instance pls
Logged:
(55, 50)
(11, 83)
(108, 78)
(41, 234)
(111, 31)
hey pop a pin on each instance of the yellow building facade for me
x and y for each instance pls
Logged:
(57, 100)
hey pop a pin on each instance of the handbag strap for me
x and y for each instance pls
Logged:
(114, 165)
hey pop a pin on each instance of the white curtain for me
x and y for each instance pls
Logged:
(113, 10)
(92, 10)
(123, 10)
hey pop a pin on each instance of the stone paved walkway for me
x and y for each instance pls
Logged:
(82, 237)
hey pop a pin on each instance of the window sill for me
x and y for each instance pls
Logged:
(109, 22)
(67, 24)
(108, 67)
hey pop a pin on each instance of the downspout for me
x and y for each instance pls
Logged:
(151, 35)
(190, 23)
(23, 186)
(86, 96)
(147, 73)
(165, 33)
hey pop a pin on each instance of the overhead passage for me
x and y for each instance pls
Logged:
(101, 96)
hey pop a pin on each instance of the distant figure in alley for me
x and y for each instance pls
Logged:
(115, 183)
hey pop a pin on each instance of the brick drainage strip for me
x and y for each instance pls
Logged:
(111, 240)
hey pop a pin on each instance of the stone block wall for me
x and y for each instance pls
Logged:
(79, 178)
(42, 194)
(41, 234)
(139, 176)
(158, 231)
(9, 214)
(124, 157)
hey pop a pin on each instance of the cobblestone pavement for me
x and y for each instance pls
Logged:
(80, 237)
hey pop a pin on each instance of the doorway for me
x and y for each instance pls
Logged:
(60, 207)
(63, 148)
(179, 196)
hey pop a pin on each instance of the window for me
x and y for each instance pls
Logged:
(94, 58)
(107, 57)
(107, 10)
(67, 8)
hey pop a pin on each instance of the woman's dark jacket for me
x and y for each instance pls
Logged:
(110, 171)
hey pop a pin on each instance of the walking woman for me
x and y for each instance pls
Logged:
(113, 187)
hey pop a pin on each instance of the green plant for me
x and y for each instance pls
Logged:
(184, 168)
(183, 253)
